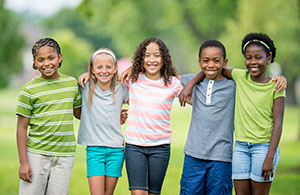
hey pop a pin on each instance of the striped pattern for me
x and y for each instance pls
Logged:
(49, 105)
(150, 104)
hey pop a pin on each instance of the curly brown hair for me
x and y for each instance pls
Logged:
(167, 70)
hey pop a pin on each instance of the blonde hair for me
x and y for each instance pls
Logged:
(93, 79)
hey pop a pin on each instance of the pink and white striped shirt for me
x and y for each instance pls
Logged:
(150, 103)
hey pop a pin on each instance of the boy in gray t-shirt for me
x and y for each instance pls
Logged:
(208, 149)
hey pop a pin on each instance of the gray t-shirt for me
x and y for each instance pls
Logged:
(210, 135)
(100, 123)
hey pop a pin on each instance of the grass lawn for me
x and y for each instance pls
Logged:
(286, 181)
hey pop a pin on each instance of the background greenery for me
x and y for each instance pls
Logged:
(286, 181)
(121, 25)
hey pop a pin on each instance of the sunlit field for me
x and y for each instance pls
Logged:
(287, 178)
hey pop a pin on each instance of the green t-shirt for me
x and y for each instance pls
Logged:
(253, 119)
(49, 105)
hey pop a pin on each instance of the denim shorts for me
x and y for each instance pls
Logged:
(248, 159)
(147, 166)
(103, 160)
(205, 177)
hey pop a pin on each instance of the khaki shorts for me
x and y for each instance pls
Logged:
(50, 175)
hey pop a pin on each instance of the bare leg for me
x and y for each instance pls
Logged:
(110, 185)
(139, 192)
(242, 187)
(96, 184)
(260, 188)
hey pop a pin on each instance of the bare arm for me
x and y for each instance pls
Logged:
(281, 83)
(226, 72)
(77, 112)
(278, 110)
(83, 79)
(126, 75)
(186, 93)
(24, 170)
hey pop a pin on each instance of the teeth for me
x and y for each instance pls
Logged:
(254, 69)
(211, 72)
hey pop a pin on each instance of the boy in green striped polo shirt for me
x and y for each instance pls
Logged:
(47, 105)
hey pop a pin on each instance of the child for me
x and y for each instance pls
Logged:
(46, 105)
(148, 133)
(208, 149)
(100, 128)
(258, 117)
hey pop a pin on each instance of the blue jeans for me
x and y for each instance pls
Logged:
(248, 159)
(146, 166)
(205, 177)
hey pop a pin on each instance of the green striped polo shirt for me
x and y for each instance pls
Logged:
(49, 105)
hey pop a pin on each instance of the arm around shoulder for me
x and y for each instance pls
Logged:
(226, 72)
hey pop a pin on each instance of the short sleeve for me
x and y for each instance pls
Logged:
(177, 86)
(279, 94)
(185, 78)
(25, 105)
(77, 99)
(237, 73)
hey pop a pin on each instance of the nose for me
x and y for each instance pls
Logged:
(47, 62)
(103, 69)
(210, 64)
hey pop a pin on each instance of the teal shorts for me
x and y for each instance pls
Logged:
(103, 160)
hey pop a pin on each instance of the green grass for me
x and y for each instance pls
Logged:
(286, 181)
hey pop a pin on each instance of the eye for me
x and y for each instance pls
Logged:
(248, 58)
(205, 61)
(51, 57)
(258, 57)
(40, 59)
(216, 61)
(99, 66)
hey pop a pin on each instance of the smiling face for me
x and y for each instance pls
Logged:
(212, 62)
(256, 61)
(47, 62)
(104, 69)
(153, 61)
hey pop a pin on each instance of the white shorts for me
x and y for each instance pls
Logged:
(50, 175)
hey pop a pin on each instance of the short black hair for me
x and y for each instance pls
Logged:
(261, 37)
(212, 43)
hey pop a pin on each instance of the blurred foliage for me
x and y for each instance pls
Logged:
(72, 20)
(76, 52)
(183, 25)
(11, 45)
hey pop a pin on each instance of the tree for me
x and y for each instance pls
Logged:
(11, 45)
(183, 25)
(76, 52)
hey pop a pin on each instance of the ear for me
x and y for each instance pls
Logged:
(116, 68)
(199, 61)
(269, 59)
(60, 58)
(225, 63)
